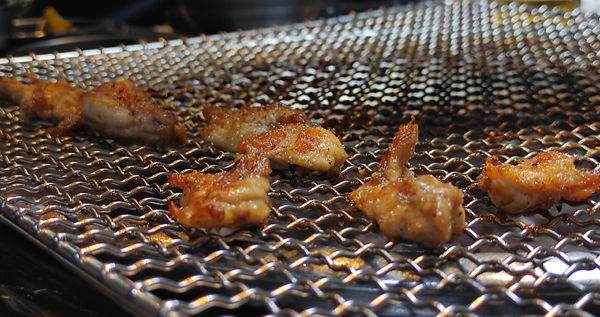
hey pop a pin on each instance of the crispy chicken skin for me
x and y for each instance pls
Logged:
(539, 182)
(120, 111)
(284, 135)
(420, 209)
(312, 148)
(235, 199)
(117, 110)
(227, 128)
(56, 102)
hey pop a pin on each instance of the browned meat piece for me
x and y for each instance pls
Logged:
(236, 199)
(539, 182)
(117, 110)
(56, 102)
(308, 147)
(420, 209)
(120, 111)
(226, 128)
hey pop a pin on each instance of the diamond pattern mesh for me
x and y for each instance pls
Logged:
(480, 78)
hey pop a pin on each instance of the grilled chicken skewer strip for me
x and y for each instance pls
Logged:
(539, 182)
(117, 110)
(308, 147)
(235, 199)
(420, 209)
(227, 128)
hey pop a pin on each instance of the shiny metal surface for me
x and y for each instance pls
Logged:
(481, 79)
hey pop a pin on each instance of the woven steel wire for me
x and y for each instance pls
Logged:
(480, 78)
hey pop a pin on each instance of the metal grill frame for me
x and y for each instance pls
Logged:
(481, 79)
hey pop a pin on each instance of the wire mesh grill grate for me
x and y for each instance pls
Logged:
(481, 79)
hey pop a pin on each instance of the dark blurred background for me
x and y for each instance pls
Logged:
(110, 22)
(191, 17)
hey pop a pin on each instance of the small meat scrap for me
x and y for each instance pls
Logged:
(226, 128)
(120, 111)
(234, 199)
(56, 102)
(421, 209)
(537, 183)
(308, 147)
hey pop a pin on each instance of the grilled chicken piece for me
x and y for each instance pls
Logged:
(305, 146)
(235, 199)
(539, 182)
(227, 128)
(117, 110)
(56, 102)
(120, 111)
(284, 135)
(420, 209)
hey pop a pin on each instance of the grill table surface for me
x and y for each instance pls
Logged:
(480, 78)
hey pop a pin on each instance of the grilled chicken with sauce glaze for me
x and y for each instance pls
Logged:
(421, 209)
(308, 147)
(226, 128)
(539, 182)
(235, 199)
